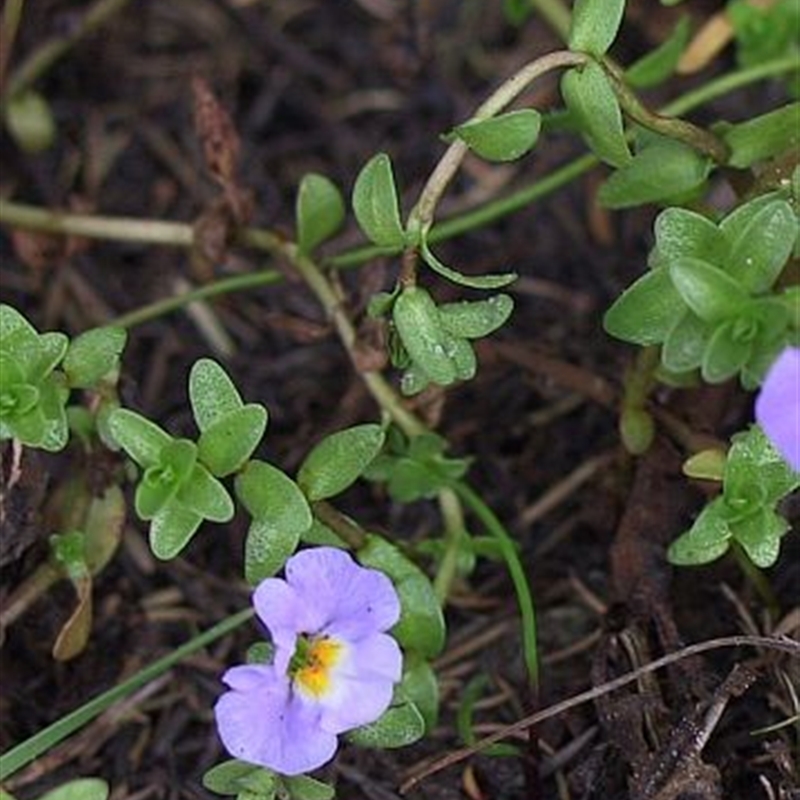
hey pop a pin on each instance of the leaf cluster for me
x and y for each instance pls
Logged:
(708, 297)
(433, 342)
(755, 479)
(38, 371)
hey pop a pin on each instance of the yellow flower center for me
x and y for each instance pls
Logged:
(312, 663)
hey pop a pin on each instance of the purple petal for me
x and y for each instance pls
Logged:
(363, 685)
(778, 405)
(357, 602)
(286, 612)
(269, 726)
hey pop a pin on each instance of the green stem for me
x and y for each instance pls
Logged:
(421, 216)
(222, 286)
(347, 530)
(698, 138)
(176, 234)
(517, 573)
(377, 385)
(729, 83)
(9, 25)
(454, 534)
(42, 59)
(15, 759)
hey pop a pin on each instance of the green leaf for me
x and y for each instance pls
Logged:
(319, 211)
(686, 343)
(707, 465)
(659, 64)
(376, 205)
(590, 99)
(267, 548)
(594, 25)
(764, 137)
(464, 359)
(302, 787)
(711, 293)
(171, 530)
(419, 327)
(754, 461)
(281, 516)
(664, 169)
(141, 439)
(212, 393)
(492, 281)
(421, 628)
(162, 480)
(473, 320)
(760, 248)
(30, 121)
(42, 360)
(684, 234)
(338, 460)
(320, 534)
(505, 137)
(226, 444)
(705, 541)
(420, 686)
(760, 536)
(206, 496)
(414, 381)
(725, 353)
(52, 401)
(12, 323)
(400, 726)
(646, 311)
(233, 777)
(79, 789)
(268, 493)
(31, 428)
(92, 355)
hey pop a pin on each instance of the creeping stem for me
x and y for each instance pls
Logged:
(421, 216)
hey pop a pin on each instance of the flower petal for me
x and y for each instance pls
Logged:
(287, 613)
(357, 602)
(269, 726)
(363, 685)
(778, 405)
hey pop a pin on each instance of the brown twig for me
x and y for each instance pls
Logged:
(784, 644)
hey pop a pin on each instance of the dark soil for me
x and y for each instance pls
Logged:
(321, 85)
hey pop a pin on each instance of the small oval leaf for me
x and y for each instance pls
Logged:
(421, 628)
(319, 211)
(589, 97)
(473, 320)
(226, 445)
(94, 354)
(338, 460)
(141, 439)
(171, 530)
(398, 727)
(376, 205)
(492, 281)
(661, 171)
(594, 25)
(212, 393)
(502, 138)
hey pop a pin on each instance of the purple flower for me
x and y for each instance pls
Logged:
(334, 667)
(778, 405)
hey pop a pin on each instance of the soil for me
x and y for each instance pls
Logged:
(321, 85)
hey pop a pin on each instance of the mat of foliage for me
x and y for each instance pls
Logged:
(321, 85)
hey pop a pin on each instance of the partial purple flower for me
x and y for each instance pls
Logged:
(334, 667)
(778, 406)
